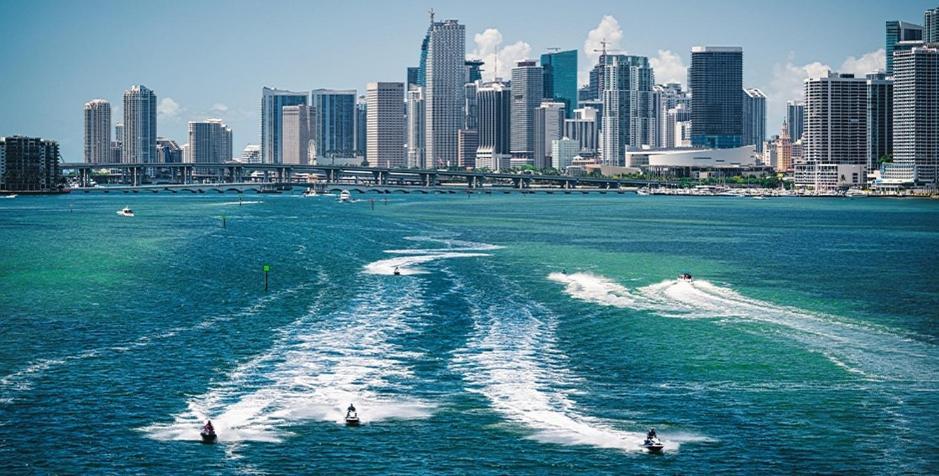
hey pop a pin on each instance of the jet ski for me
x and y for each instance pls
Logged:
(685, 277)
(208, 433)
(397, 272)
(652, 444)
(352, 417)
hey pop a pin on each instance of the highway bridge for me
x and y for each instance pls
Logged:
(216, 175)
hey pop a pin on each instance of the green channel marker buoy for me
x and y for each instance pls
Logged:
(267, 269)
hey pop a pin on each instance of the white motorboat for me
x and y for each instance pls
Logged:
(125, 212)
(345, 196)
(642, 192)
(310, 193)
(855, 193)
(686, 277)
(13, 195)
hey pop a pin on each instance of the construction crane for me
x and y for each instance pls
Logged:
(603, 52)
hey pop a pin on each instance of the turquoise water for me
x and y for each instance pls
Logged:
(526, 334)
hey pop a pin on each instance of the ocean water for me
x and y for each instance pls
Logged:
(524, 335)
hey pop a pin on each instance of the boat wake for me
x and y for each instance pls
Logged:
(410, 260)
(319, 365)
(513, 361)
(23, 380)
(863, 349)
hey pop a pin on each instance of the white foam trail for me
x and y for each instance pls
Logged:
(24, 379)
(512, 360)
(857, 347)
(407, 265)
(321, 363)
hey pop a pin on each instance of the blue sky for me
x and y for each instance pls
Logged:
(211, 58)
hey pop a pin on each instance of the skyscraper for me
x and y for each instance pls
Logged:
(879, 118)
(443, 94)
(168, 151)
(297, 123)
(527, 93)
(716, 79)
(674, 105)
(754, 118)
(560, 78)
(916, 113)
(140, 126)
(334, 123)
(97, 132)
(468, 142)
(361, 128)
(495, 111)
(386, 127)
(474, 70)
(272, 103)
(583, 128)
(549, 126)
(835, 120)
(210, 141)
(412, 76)
(415, 132)
(898, 31)
(629, 107)
(931, 22)
(795, 118)
(29, 164)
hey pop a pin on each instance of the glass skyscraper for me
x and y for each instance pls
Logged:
(560, 78)
(716, 81)
(898, 31)
(272, 104)
(334, 122)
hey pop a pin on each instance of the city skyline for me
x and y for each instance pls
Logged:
(224, 87)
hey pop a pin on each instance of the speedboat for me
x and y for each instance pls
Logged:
(652, 444)
(126, 212)
(345, 196)
(352, 419)
(685, 277)
(310, 193)
(10, 196)
(642, 192)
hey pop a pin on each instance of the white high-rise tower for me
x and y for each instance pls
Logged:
(443, 95)
(97, 132)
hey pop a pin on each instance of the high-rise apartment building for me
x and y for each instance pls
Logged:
(879, 119)
(29, 164)
(629, 107)
(272, 104)
(836, 120)
(415, 127)
(210, 141)
(898, 31)
(297, 139)
(716, 79)
(795, 118)
(334, 122)
(563, 151)
(931, 23)
(443, 94)
(754, 118)
(140, 126)
(468, 142)
(386, 128)
(916, 113)
(361, 128)
(527, 93)
(583, 128)
(673, 104)
(168, 151)
(560, 78)
(97, 132)
(495, 111)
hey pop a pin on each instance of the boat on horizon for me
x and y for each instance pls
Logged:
(125, 212)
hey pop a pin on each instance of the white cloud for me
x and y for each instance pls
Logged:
(867, 63)
(669, 68)
(609, 31)
(219, 108)
(168, 108)
(498, 60)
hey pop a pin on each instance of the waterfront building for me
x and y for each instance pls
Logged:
(549, 127)
(334, 122)
(795, 117)
(783, 148)
(168, 151)
(754, 118)
(673, 105)
(899, 31)
(879, 119)
(443, 93)
(297, 124)
(361, 128)
(527, 93)
(682, 162)
(29, 164)
(119, 133)
(629, 107)
(210, 141)
(97, 131)
(715, 79)
(563, 151)
(386, 127)
(835, 121)
(140, 126)
(560, 78)
(916, 114)
(116, 152)
(494, 100)
(468, 140)
(415, 127)
(250, 155)
(768, 157)
(272, 104)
